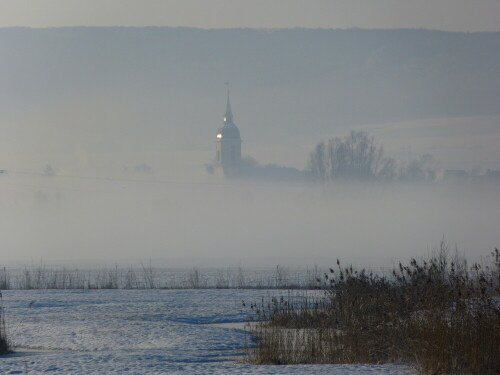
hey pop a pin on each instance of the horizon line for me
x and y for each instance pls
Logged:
(306, 28)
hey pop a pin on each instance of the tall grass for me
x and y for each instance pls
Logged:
(436, 314)
(4, 279)
(40, 276)
(5, 345)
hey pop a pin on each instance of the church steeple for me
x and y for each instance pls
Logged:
(228, 145)
(228, 117)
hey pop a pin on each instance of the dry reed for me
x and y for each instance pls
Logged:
(436, 314)
(5, 344)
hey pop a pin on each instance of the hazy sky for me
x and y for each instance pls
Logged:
(453, 15)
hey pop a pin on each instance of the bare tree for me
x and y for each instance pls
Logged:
(354, 157)
(318, 163)
(388, 169)
(419, 170)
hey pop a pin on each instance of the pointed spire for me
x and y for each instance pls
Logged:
(228, 117)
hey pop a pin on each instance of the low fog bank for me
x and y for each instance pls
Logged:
(214, 223)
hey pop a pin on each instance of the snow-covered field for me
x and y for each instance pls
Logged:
(140, 332)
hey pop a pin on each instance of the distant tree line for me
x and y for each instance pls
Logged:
(358, 157)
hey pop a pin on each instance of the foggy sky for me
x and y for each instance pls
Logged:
(93, 100)
(451, 15)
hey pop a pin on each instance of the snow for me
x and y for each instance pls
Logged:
(141, 332)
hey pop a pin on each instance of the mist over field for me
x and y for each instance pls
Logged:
(106, 133)
(215, 224)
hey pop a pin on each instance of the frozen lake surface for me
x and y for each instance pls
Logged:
(140, 332)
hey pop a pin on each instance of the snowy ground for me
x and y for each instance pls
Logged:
(140, 332)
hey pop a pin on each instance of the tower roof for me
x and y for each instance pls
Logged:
(228, 117)
(229, 130)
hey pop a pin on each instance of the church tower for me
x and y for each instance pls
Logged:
(228, 146)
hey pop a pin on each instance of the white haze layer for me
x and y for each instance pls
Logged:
(79, 221)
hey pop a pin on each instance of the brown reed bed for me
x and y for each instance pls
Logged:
(435, 314)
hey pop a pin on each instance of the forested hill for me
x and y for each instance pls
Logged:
(302, 79)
